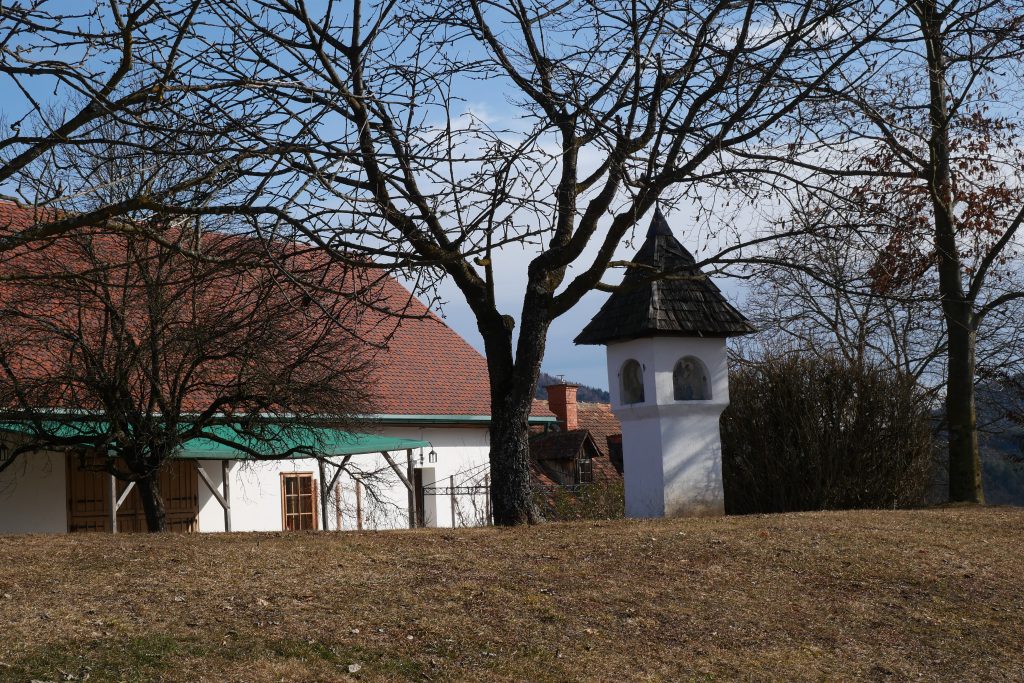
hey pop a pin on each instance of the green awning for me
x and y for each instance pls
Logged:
(278, 440)
(329, 442)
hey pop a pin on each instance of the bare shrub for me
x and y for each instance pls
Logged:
(599, 500)
(810, 433)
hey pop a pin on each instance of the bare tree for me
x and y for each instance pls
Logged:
(115, 344)
(827, 306)
(67, 69)
(917, 155)
(359, 139)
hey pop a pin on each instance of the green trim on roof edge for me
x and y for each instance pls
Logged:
(328, 442)
(449, 419)
(292, 444)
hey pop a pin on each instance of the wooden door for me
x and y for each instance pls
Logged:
(89, 499)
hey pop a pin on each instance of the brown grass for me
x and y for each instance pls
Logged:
(931, 595)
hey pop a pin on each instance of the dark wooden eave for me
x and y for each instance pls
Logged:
(563, 445)
(666, 294)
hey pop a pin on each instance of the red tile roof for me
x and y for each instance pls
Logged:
(426, 368)
(598, 419)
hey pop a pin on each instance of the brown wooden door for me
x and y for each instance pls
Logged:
(89, 499)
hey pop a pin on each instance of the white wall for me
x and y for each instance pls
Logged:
(462, 453)
(658, 356)
(211, 514)
(672, 454)
(256, 486)
(33, 495)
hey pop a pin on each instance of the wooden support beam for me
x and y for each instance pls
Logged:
(124, 495)
(487, 497)
(112, 481)
(337, 506)
(323, 495)
(224, 502)
(340, 468)
(397, 469)
(413, 521)
(451, 487)
(225, 469)
(359, 505)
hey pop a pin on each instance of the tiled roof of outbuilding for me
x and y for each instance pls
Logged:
(598, 419)
(426, 369)
(685, 303)
(560, 445)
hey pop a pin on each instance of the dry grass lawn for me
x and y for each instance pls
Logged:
(932, 595)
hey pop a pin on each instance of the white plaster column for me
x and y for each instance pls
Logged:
(671, 449)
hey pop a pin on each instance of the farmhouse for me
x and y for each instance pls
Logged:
(423, 460)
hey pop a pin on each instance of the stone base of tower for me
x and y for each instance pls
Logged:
(673, 460)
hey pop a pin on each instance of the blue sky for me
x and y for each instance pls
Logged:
(584, 364)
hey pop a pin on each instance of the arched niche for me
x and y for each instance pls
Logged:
(631, 382)
(690, 380)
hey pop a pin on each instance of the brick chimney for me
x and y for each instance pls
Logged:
(562, 402)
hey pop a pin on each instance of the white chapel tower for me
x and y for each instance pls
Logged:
(668, 377)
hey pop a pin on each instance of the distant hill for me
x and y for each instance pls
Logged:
(1002, 444)
(584, 394)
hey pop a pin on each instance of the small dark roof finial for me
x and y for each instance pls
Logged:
(659, 226)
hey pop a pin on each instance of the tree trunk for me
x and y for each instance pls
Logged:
(964, 459)
(152, 502)
(513, 383)
(511, 494)
(957, 307)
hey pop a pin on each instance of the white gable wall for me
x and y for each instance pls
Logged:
(33, 492)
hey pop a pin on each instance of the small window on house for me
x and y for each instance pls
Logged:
(690, 380)
(585, 471)
(632, 381)
(298, 501)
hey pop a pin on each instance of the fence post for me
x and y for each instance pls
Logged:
(113, 503)
(359, 505)
(324, 503)
(487, 493)
(451, 495)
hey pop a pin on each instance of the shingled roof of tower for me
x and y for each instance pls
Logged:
(691, 306)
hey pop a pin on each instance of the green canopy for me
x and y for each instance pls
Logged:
(323, 441)
(313, 440)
